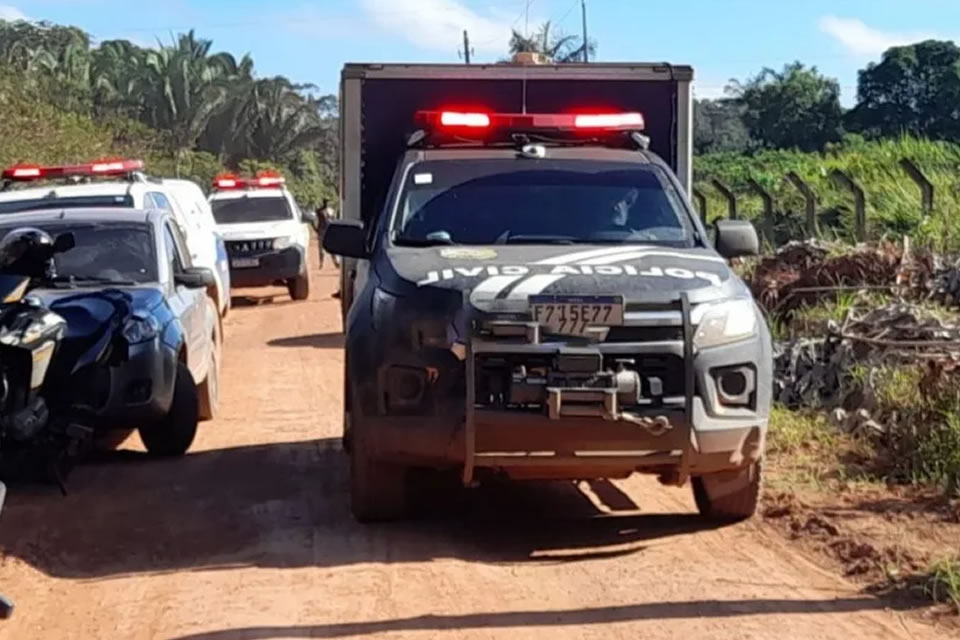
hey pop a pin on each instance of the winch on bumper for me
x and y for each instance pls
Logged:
(637, 397)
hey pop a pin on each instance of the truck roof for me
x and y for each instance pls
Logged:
(61, 190)
(606, 70)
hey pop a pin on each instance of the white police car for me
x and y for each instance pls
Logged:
(123, 184)
(267, 235)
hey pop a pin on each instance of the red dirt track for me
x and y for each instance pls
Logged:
(249, 537)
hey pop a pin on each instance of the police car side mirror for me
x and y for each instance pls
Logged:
(309, 217)
(345, 238)
(195, 278)
(736, 239)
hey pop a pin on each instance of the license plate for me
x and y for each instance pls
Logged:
(574, 315)
(244, 263)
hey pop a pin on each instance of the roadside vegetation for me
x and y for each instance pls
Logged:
(182, 107)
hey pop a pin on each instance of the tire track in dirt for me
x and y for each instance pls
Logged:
(250, 537)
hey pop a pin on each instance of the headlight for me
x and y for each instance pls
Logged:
(283, 243)
(137, 329)
(726, 322)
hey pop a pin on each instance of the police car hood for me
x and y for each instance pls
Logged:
(502, 278)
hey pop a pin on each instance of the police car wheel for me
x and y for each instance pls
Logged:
(299, 287)
(729, 496)
(378, 490)
(173, 434)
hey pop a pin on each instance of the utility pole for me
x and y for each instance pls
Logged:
(586, 46)
(466, 47)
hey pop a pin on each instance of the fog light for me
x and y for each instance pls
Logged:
(735, 385)
(138, 391)
(404, 387)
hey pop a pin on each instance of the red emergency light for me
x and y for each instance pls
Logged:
(28, 173)
(263, 179)
(461, 120)
(269, 179)
(227, 181)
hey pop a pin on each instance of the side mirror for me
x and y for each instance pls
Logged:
(736, 239)
(64, 242)
(309, 217)
(345, 238)
(195, 278)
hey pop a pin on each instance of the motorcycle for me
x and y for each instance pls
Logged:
(33, 440)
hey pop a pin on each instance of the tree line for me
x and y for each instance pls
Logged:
(913, 90)
(198, 99)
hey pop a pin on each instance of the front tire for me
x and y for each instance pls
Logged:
(729, 496)
(378, 490)
(173, 434)
(299, 287)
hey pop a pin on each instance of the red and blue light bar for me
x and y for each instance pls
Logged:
(478, 120)
(107, 167)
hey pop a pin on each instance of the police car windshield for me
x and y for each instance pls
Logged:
(500, 201)
(34, 204)
(103, 253)
(251, 209)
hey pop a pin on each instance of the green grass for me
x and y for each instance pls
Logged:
(893, 202)
(943, 584)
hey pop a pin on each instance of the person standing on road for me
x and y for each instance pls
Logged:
(321, 226)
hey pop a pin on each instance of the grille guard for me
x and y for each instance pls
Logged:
(605, 403)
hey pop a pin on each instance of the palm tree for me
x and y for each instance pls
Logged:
(555, 45)
(185, 87)
(265, 119)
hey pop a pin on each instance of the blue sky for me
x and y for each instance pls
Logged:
(722, 39)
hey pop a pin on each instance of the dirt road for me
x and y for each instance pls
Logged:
(249, 537)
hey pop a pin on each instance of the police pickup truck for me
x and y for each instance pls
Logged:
(267, 235)
(539, 300)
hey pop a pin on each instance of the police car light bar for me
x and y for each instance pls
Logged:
(27, 173)
(263, 179)
(457, 120)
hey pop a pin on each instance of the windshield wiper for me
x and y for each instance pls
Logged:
(74, 280)
(424, 242)
(536, 239)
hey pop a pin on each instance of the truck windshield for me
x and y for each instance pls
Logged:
(539, 201)
(34, 204)
(251, 209)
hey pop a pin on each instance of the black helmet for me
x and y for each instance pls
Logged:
(26, 251)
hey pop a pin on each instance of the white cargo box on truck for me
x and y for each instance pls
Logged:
(378, 103)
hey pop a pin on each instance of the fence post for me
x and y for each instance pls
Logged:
(810, 200)
(843, 181)
(767, 208)
(729, 195)
(926, 187)
(701, 199)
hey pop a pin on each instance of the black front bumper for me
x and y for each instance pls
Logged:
(689, 433)
(138, 391)
(272, 267)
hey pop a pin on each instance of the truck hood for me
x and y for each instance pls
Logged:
(501, 278)
(258, 230)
